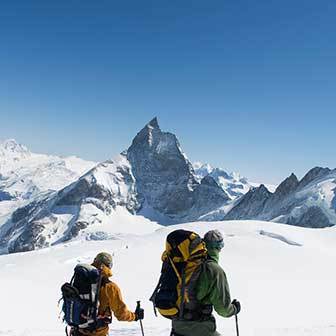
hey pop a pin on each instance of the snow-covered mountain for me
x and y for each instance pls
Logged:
(56, 216)
(152, 178)
(24, 174)
(45, 202)
(232, 183)
(282, 275)
(310, 202)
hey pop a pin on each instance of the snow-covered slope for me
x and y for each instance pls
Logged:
(57, 216)
(283, 276)
(24, 174)
(310, 202)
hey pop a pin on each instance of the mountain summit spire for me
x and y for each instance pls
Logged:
(154, 123)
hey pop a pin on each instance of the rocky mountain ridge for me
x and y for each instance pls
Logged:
(309, 202)
(152, 178)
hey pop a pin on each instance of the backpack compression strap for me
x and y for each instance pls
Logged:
(95, 312)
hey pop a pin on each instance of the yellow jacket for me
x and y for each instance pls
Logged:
(110, 300)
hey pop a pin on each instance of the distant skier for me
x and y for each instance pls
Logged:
(109, 299)
(212, 290)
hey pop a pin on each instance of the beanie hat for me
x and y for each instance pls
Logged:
(103, 258)
(214, 240)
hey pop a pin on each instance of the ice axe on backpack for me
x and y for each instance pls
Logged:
(138, 308)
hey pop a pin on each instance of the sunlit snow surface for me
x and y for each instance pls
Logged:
(285, 289)
(25, 175)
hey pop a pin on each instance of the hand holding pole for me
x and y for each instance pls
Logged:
(138, 307)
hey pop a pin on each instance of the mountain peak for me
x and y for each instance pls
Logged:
(12, 147)
(250, 205)
(154, 123)
(148, 133)
(287, 186)
(262, 188)
(165, 177)
(314, 173)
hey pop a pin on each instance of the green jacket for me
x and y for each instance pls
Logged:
(213, 288)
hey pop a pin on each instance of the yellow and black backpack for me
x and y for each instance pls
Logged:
(182, 262)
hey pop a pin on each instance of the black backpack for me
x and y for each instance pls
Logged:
(81, 297)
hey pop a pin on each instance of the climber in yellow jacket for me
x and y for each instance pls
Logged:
(110, 300)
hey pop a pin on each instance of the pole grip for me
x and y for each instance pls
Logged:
(141, 326)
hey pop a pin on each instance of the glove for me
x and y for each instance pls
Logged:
(236, 304)
(103, 320)
(139, 314)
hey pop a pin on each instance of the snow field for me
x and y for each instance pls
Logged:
(284, 289)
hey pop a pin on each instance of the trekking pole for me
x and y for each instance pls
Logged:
(237, 329)
(141, 326)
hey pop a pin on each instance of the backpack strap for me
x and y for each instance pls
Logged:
(95, 312)
(181, 313)
(72, 280)
(182, 280)
(105, 281)
(153, 296)
(103, 320)
(175, 270)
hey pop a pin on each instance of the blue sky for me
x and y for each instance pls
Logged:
(245, 85)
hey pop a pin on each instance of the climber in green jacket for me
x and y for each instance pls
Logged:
(212, 289)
